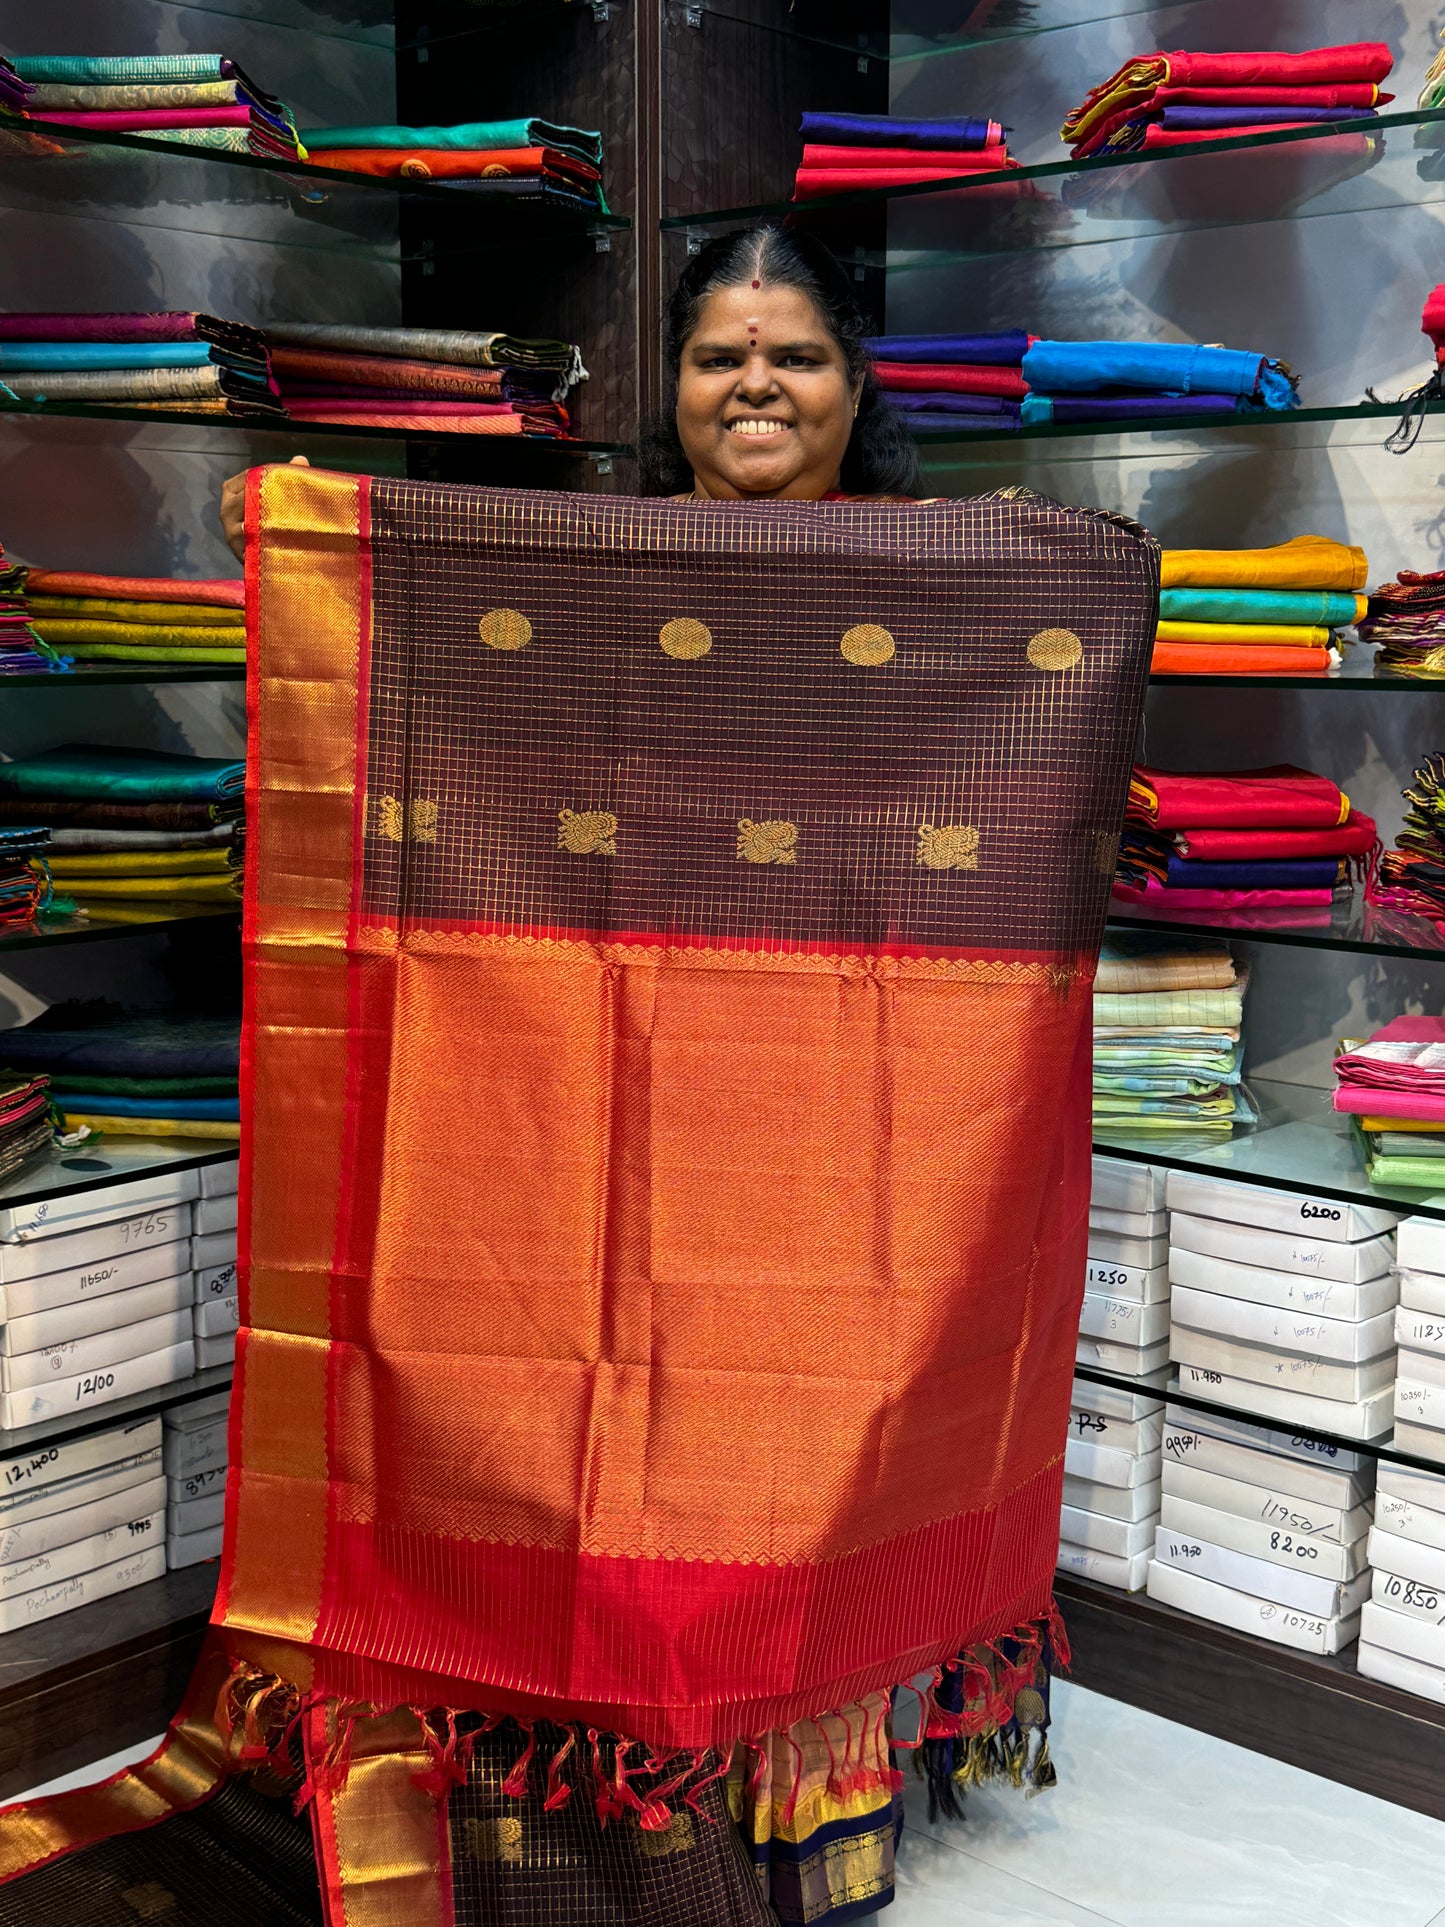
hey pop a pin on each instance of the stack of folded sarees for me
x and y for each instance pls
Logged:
(1168, 1054)
(952, 382)
(428, 380)
(1407, 619)
(843, 152)
(1238, 847)
(1411, 877)
(21, 650)
(1393, 1087)
(24, 890)
(15, 92)
(133, 1074)
(523, 160)
(25, 1128)
(1257, 611)
(1178, 99)
(120, 618)
(136, 836)
(174, 363)
(198, 100)
(1086, 381)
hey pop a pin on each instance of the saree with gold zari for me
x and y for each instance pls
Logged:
(670, 930)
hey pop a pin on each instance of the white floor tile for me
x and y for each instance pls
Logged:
(1155, 1825)
(90, 1775)
(939, 1886)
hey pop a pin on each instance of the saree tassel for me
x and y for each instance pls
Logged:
(1043, 1774)
(558, 1791)
(720, 1772)
(795, 1789)
(1414, 407)
(449, 1761)
(515, 1784)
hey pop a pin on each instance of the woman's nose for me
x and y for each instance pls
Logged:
(756, 380)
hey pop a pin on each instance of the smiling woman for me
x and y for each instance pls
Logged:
(773, 394)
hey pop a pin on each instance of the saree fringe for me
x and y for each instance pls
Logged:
(983, 1719)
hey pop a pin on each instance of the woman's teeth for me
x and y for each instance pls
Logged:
(747, 427)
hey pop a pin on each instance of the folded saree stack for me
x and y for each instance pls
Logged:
(1411, 877)
(842, 152)
(25, 1130)
(24, 889)
(136, 836)
(1228, 845)
(117, 618)
(199, 100)
(525, 160)
(15, 92)
(1407, 619)
(1257, 611)
(429, 380)
(1071, 381)
(133, 1074)
(1168, 1054)
(1393, 1087)
(1171, 100)
(941, 382)
(173, 363)
(21, 650)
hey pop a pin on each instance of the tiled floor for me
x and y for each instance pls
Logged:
(1153, 1825)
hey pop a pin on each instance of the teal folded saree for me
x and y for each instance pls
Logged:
(476, 134)
(1331, 608)
(86, 772)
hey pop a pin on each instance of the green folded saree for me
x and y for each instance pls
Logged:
(86, 772)
(1334, 609)
(1193, 1009)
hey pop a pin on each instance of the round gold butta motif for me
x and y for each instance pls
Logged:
(868, 645)
(505, 629)
(685, 639)
(1054, 649)
(415, 169)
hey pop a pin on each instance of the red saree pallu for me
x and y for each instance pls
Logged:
(669, 934)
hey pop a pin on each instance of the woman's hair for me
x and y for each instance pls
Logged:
(881, 457)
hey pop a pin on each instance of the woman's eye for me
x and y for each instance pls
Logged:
(721, 361)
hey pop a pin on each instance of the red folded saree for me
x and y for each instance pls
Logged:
(385, 371)
(1356, 836)
(1280, 797)
(1210, 659)
(812, 181)
(902, 160)
(135, 588)
(666, 1167)
(950, 377)
(457, 163)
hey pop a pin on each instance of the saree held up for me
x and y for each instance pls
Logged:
(666, 927)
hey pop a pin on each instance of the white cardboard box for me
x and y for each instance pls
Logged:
(97, 1315)
(1420, 1244)
(1325, 1483)
(221, 1281)
(214, 1214)
(1257, 1204)
(1393, 1669)
(1265, 1365)
(1407, 1557)
(1326, 1558)
(1407, 1485)
(217, 1318)
(1118, 1184)
(1100, 1466)
(196, 1515)
(199, 1485)
(1130, 1503)
(1138, 1436)
(1308, 1517)
(1115, 1321)
(1403, 1633)
(1127, 1574)
(216, 1248)
(1422, 1291)
(49, 1464)
(1114, 1248)
(110, 1267)
(1129, 1282)
(1424, 1441)
(194, 1548)
(95, 1482)
(1362, 1419)
(1130, 1361)
(1093, 1532)
(1346, 1341)
(110, 1507)
(220, 1180)
(1289, 1290)
(1268, 1438)
(196, 1449)
(1111, 1402)
(127, 1198)
(1408, 1521)
(1128, 1224)
(80, 1394)
(1410, 1596)
(1306, 1632)
(197, 1412)
(1282, 1250)
(82, 1555)
(1419, 1331)
(135, 1569)
(210, 1352)
(1263, 1578)
(102, 1350)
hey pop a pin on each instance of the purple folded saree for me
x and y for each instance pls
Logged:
(881, 130)
(928, 403)
(1005, 350)
(148, 120)
(234, 336)
(1104, 408)
(1238, 119)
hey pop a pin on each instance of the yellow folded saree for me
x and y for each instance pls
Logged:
(1305, 562)
(1251, 635)
(215, 861)
(110, 608)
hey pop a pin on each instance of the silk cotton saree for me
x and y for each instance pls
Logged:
(670, 933)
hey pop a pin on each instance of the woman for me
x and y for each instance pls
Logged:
(772, 397)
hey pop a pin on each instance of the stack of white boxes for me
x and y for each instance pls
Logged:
(1124, 1326)
(95, 1296)
(1111, 1485)
(1420, 1333)
(80, 1522)
(213, 1257)
(1402, 1633)
(195, 1466)
(1283, 1304)
(1263, 1532)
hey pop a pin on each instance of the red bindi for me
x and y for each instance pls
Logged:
(757, 284)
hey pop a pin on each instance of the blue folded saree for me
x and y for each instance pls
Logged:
(38, 357)
(1261, 873)
(127, 70)
(1162, 367)
(1107, 408)
(108, 1041)
(1239, 119)
(983, 351)
(934, 422)
(1334, 609)
(881, 130)
(205, 1110)
(84, 772)
(929, 403)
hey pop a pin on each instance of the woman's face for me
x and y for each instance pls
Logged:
(764, 403)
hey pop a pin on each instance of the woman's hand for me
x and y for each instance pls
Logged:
(233, 509)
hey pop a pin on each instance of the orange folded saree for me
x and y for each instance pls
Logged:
(669, 935)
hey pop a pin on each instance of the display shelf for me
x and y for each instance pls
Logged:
(116, 1160)
(1360, 671)
(1239, 179)
(1350, 924)
(1301, 1144)
(83, 675)
(48, 930)
(109, 412)
(101, 1418)
(87, 1683)
(1315, 1713)
(1206, 428)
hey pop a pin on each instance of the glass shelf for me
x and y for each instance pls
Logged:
(114, 411)
(100, 1418)
(1240, 179)
(66, 929)
(1163, 1384)
(1272, 421)
(1359, 672)
(1350, 924)
(81, 675)
(115, 1160)
(334, 208)
(1300, 1144)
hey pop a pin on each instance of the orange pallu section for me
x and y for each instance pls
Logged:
(670, 933)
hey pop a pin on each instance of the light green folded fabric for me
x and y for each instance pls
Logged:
(1199, 1009)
